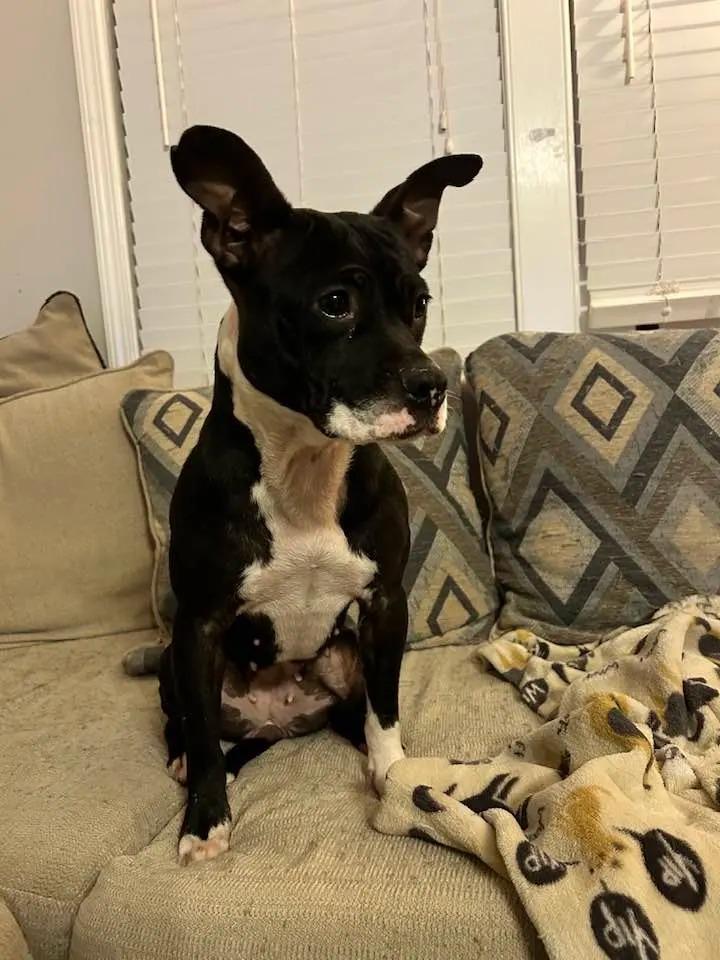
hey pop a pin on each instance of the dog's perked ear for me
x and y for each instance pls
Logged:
(229, 181)
(413, 205)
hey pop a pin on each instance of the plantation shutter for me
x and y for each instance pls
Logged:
(342, 100)
(649, 159)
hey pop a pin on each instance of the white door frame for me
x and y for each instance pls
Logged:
(539, 115)
(101, 117)
(537, 83)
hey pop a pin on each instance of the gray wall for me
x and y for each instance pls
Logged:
(46, 238)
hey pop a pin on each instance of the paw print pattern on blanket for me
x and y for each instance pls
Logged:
(612, 803)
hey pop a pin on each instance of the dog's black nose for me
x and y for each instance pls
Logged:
(425, 385)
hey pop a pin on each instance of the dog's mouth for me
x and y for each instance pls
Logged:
(374, 422)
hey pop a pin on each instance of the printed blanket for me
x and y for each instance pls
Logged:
(605, 819)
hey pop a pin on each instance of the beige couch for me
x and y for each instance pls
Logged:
(89, 816)
(91, 821)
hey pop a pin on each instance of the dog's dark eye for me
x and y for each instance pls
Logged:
(421, 304)
(335, 304)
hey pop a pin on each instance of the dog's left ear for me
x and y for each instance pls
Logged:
(413, 205)
(230, 182)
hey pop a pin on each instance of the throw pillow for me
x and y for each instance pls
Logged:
(601, 458)
(448, 579)
(57, 348)
(76, 559)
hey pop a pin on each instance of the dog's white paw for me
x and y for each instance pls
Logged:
(178, 769)
(384, 749)
(376, 778)
(192, 848)
(377, 773)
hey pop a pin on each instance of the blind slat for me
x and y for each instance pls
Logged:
(349, 107)
(648, 154)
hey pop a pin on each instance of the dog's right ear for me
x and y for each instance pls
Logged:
(230, 182)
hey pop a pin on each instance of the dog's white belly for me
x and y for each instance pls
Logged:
(312, 576)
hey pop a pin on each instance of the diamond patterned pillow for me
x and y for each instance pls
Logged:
(448, 578)
(601, 459)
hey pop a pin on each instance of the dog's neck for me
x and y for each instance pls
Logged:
(303, 471)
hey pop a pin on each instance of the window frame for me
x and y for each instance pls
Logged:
(536, 58)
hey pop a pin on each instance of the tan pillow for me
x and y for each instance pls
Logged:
(57, 348)
(76, 557)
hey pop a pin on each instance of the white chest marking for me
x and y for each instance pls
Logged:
(312, 575)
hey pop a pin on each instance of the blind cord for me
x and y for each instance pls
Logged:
(443, 113)
(629, 41)
(662, 286)
(296, 94)
(433, 128)
(160, 73)
(208, 350)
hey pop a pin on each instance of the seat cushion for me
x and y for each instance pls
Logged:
(76, 558)
(306, 876)
(451, 592)
(83, 772)
(601, 458)
(12, 942)
(57, 348)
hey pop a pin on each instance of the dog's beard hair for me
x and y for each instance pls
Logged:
(369, 422)
(440, 421)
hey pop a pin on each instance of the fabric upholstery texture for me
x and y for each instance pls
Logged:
(306, 876)
(448, 576)
(82, 764)
(12, 941)
(82, 760)
(601, 459)
(76, 558)
(57, 348)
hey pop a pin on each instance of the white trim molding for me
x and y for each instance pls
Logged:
(701, 306)
(539, 111)
(100, 114)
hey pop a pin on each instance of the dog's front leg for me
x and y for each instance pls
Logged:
(383, 631)
(199, 664)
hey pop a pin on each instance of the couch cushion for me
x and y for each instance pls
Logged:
(601, 457)
(57, 348)
(76, 558)
(450, 587)
(12, 941)
(306, 876)
(82, 765)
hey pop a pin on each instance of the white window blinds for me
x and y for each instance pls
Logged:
(649, 158)
(341, 99)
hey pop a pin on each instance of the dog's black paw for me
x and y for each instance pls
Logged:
(347, 719)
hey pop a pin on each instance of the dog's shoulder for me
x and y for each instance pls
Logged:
(372, 481)
(375, 516)
(215, 528)
(221, 468)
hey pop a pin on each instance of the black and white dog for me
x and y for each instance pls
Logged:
(287, 512)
